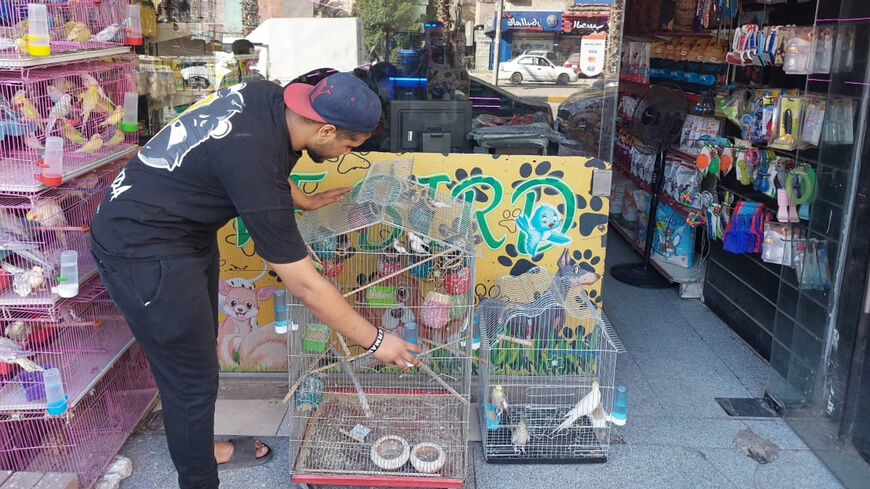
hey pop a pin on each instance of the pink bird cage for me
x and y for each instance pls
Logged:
(37, 230)
(80, 103)
(87, 436)
(81, 337)
(73, 25)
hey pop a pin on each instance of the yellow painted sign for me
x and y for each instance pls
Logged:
(529, 210)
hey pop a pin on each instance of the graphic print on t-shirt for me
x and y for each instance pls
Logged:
(118, 186)
(209, 118)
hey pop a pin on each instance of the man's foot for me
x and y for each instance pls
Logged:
(223, 450)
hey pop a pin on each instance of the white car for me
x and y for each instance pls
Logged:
(536, 69)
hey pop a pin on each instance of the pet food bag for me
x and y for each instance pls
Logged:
(673, 239)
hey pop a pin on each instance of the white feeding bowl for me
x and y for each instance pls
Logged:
(427, 458)
(390, 452)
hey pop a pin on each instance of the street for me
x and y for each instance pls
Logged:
(550, 92)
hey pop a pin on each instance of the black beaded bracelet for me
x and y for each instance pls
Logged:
(378, 340)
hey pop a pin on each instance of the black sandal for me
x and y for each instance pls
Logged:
(245, 454)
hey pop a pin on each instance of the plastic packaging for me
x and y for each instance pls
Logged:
(55, 397)
(799, 51)
(68, 285)
(620, 404)
(279, 298)
(130, 122)
(37, 30)
(134, 26)
(52, 161)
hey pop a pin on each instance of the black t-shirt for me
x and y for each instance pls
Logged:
(226, 156)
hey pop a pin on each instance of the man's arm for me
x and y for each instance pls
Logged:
(323, 299)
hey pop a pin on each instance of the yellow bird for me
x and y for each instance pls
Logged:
(116, 138)
(79, 33)
(104, 106)
(72, 134)
(89, 101)
(22, 103)
(92, 146)
(115, 117)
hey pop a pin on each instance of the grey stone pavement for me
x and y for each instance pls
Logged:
(680, 356)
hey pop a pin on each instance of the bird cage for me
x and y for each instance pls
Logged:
(402, 255)
(71, 26)
(85, 438)
(82, 103)
(81, 337)
(37, 229)
(548, 362)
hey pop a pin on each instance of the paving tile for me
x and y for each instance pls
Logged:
(675, 431)
(793, 469)
(258, 417)
(777, 431)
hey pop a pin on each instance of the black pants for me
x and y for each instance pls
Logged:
(171, 307)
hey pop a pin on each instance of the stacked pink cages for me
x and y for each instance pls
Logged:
(81, 337)
(73, 25)
(36, 228)
(82, 103)
(85, 438)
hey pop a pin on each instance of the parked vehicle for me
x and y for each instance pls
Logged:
(573, 62)
(536, 69)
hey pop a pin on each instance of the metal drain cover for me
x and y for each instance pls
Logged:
(746, 407)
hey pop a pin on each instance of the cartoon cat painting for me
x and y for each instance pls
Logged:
(543, 227)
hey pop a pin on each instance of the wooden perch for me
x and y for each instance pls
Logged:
(399, 272)
(438, 379)
(308, 371)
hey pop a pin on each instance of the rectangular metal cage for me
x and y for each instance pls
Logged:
(403, 256)
(544, 348)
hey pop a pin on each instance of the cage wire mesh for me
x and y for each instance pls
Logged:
(88, 435)
(547, 374)
(403, 256)
(80, 102)
(72, 25)
(36, 228)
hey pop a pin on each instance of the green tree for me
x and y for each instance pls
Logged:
(378, 16)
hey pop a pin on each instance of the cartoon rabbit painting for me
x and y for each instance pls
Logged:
(543, 227)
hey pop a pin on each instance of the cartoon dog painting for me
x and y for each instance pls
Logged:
(543, 227)
(239, 334)
(209, 118)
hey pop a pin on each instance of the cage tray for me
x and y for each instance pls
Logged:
(577, 444)
(328, 456)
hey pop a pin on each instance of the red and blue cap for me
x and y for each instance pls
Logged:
(342, 100)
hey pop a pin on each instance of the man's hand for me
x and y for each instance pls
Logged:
(310, 202)
(397, 352)
(317, 201)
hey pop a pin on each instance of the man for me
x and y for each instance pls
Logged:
(154, 239)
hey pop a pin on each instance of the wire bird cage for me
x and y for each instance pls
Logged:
(82, 103)
(402, 254)
(81, 337)
(35, 229)
(72, 26)
(87, 436)
(547, 382)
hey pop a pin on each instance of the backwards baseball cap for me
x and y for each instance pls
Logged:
(342, 100)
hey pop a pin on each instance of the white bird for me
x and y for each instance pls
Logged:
(12, 352)
(398, 246)
(598, 420)
(106, 34)
(496, 398)
(60, 109)
(24, 281)
(583, 408)
(417, 244)
(32, 142)
(520, 437)
(47, 212)
(19, 331)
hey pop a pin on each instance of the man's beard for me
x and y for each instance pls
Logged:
(315, 156)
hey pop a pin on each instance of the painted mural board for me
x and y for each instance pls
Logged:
(530, 211)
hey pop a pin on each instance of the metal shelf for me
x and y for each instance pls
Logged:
(36, 186)
(64, 57)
